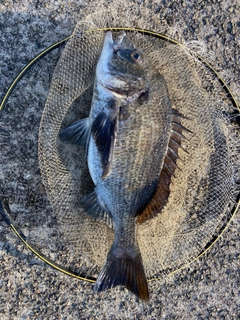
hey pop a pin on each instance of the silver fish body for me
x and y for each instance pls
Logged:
(126, 138)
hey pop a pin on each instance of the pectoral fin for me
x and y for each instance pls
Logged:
(104, 130)
(77, 133)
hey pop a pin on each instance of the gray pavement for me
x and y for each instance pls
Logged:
(29, 288)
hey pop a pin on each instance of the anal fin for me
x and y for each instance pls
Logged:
(95, 208)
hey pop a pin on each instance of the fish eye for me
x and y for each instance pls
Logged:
(137, 57)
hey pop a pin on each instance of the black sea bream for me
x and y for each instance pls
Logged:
(126, 137)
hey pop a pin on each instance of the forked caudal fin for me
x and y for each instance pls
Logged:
(126, 269)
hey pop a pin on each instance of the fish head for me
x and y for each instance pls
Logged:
(121, 68)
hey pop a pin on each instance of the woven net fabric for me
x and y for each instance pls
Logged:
(203, 189)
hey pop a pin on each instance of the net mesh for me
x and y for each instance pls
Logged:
(204, 187)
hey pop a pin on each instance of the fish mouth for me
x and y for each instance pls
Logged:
(117, 42)
(118, 84)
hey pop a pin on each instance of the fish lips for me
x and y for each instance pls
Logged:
(117, 42)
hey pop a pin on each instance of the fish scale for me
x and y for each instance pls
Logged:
(137, 166)
(126, 138)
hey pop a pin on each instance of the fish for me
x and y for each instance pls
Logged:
(126, 137)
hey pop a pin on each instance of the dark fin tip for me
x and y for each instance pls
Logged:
(181, 127)
(176, 113)
(106, 171)
(177, 144)
(169, 169)
(178, 135)
(143, 97)
(124, 270)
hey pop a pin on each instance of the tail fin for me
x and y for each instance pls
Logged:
(126, 269)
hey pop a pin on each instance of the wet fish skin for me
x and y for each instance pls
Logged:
(118, 70)
(126, 138)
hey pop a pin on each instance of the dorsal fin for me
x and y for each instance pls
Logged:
(160, 197)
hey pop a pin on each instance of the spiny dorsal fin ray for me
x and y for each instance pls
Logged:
(178, 126)
(169, 169)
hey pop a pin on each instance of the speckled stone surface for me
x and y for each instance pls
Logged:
(30, 289)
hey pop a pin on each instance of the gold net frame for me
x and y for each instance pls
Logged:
(5, 209)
